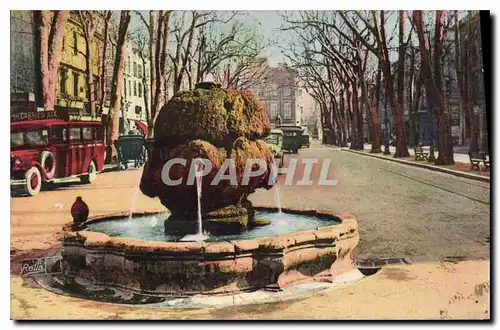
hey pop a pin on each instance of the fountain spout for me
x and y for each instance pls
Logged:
(198, 163)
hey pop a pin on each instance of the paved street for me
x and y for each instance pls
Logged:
(402, 211)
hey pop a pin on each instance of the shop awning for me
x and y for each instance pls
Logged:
(142, 126)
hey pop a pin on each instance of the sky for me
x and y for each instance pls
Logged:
(268, 22)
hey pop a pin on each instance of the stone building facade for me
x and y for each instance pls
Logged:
(133, 103)
(279, 93)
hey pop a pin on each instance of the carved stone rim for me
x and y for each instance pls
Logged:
(347, 228)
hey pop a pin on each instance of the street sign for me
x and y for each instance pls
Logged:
(31, 115)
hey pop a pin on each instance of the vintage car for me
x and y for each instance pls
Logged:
(53, 150)
(131, 148)
(305, 138)
(275, 142)
(292, 138)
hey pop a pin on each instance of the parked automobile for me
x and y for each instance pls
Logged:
(131, 148)
(306, 139)
(51, 151)
(292, 138)
(275, 142)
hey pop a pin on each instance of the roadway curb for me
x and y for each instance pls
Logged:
(426, 166)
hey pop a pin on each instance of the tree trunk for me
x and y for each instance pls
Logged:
(474, 147)
(90, 76)
(152, 67)
(145, 96)
(117, 87)
(155, 107)
(374, 120)
(50, 25)
(88, 26)
(445, 144)
(378, 85)
(345, 126)
(163, 58)
(183, 68)
(445, 140)
(397, 110)
(417, 96)
(358, 120)
(411, 79)
(103, 66)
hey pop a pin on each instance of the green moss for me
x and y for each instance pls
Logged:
(256, 222)
(216, 115)
(228, 212)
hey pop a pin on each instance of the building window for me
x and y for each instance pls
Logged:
(274, 90)
(139, 71)
(135, 87)
(135, 70)
(287, 110)
(274, 110)
(286, 90)
(129, 88)
(125, 87)
(76, 77)
(63, 75)
(140, 90)
(75, 43)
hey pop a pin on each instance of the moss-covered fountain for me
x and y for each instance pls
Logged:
(215, 124)
(249, 248)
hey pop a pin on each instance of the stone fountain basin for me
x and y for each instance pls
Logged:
(92, 259)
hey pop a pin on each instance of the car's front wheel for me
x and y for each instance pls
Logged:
(91, 175)
(33, 181)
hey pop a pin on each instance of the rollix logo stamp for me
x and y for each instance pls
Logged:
(47, 265)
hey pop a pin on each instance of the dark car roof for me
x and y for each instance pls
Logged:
(290, 128)
(276, 131)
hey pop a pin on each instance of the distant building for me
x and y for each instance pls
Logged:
(22, 62)
(451, 82)
(72, 90)
(133, 116)
(133, 103)
(72, 94)
(278, 92)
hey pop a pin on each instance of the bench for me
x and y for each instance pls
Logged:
(486, 160)
(476, 158)
(420, 154)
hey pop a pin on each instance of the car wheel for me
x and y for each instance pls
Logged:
(33, 181)
(91, 175)
(48, 163)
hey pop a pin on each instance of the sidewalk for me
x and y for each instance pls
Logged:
(426, 291)
(459, 158)
(459, 154)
